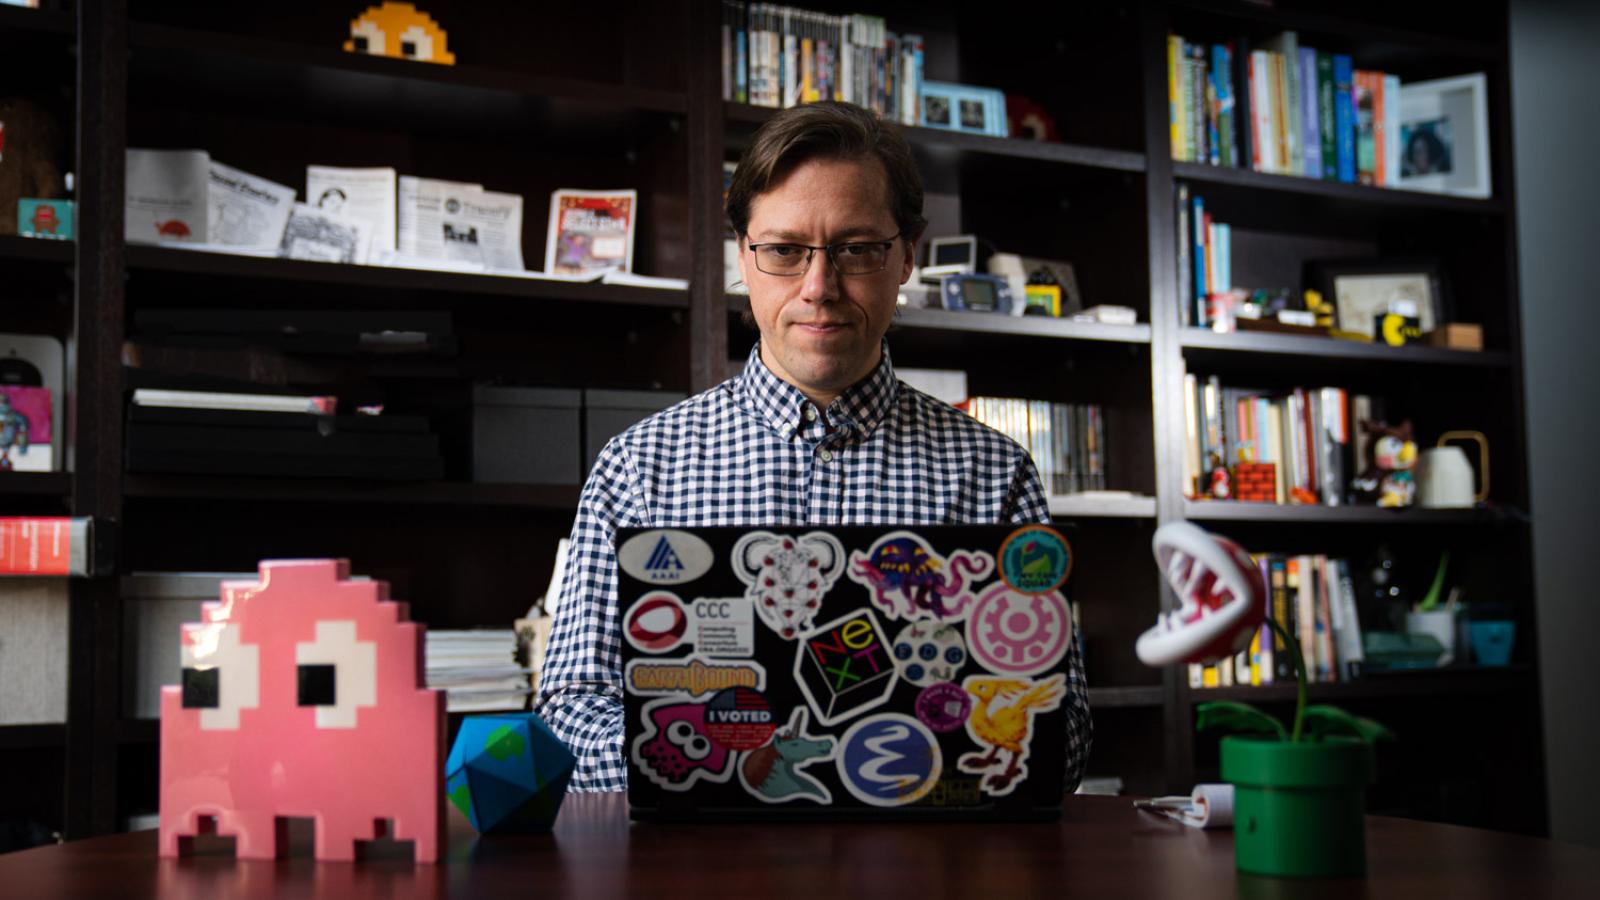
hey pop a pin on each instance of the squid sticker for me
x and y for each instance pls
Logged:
(675, 750)
(788, 576)
(908, 580)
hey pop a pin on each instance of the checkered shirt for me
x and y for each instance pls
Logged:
(753, 451)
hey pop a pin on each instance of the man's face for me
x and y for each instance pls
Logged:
(821, 331)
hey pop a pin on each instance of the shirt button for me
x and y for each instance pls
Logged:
(810, 413)
(825, 456)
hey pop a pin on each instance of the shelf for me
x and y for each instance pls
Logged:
(139, 731)
(264, 74)
(1304, 346)
(13, 247)
(35, 484)
(991, 323)
(1238, 511)
(1295, 184)
(1125, 697)
(1072, 506)
(287, 490)
(384, 278)
(33, 737)
(1402, 683)
(1371, 44)
(14, 19)
(937, 139)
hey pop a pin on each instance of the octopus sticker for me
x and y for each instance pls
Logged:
(1012, 633)
(910, 581)
(788, 576)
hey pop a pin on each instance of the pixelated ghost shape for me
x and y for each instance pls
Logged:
(1002, 720)
(909, 580)
(675, 751)
(772, 773)
(302, 696)
(508, 772)
(786, 577)
(399, 30)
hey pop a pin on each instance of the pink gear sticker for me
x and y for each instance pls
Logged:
(1012, 633)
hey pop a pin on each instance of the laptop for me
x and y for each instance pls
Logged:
(845, 672)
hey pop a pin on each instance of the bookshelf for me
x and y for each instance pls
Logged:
(269, 91)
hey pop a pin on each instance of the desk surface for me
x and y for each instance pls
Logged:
(1101, 848)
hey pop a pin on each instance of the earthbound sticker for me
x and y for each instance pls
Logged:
(1035, 559)
(660, 622)
(692, 675)
(664, 556)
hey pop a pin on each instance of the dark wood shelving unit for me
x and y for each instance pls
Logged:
(1199, 341)
(44, 21)
(1150, 696)
(1236, 511)
(1076, 506)
(33, 737)
(1364, 37)
(1404, 683)
(21, 249)
(1294, 184)
(187, 488)
(988, 323)
(35, 484)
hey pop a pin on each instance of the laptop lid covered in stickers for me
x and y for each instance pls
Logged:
(845, 672)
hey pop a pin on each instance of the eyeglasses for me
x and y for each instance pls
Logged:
(849, 257)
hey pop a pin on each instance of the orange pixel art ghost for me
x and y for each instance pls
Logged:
(302, 698)
(399, 30)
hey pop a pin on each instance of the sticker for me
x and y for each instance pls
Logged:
(929, 652)
(955, 792)
(740, 718)
(908, 580)
(944, 707)
(788, 576)
(656, 622)
(889, 759)
(772, 773)
(663, 556)
(674, 751)
(1019, 634)
(660, 622)
(1002, 721)
(693, 675)
(1035, 559)
(844, 668)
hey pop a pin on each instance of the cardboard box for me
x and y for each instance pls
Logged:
(1456, 336)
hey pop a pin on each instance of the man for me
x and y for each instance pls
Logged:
(816, 430)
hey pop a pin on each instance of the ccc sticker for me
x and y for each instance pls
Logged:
(1012, 633)
(889, 759)
(656, 622)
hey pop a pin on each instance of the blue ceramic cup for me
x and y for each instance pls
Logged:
(1491, 641)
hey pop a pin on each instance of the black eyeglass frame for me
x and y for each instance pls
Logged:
(832, 251)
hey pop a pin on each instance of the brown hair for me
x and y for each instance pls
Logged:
(827, 130)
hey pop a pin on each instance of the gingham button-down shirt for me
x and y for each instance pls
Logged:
(754, 451)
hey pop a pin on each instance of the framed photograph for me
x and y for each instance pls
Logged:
(958, 107)
(1361, 290)
(1444, 136)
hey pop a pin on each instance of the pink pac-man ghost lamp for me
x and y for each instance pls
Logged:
(302, 697)
(1222, 598)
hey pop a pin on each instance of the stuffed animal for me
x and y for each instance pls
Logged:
(1388, 480)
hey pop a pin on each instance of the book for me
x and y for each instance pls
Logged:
(1344, 121)
(314, 405)
(1390, 92)
(245, 210)
(1310, 118)
(1364, 102)
(1264, 146)
(1222, 85)
(167, 194)
(45, 545)
(1285, 48)
(1327, 128)
(591, 231)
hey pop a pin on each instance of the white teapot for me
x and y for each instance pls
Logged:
(1444, 476)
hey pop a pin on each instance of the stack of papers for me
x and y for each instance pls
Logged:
(477, 670)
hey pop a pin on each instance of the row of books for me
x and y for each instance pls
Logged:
(1311, 438)
(1313, 597)
(1066, 440)
(1284, 109)
(1205, 261)
(477, 670)
(780, 56)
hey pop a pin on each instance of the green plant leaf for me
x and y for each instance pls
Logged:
(1241, 718)
(1323, 721)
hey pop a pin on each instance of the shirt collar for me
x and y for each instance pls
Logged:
(862, 406)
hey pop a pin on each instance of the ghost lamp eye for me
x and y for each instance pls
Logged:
(316, 685)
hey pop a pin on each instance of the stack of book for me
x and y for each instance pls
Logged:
(1066, 440)
(1313, 598)
(1283, 109)
(477, 670)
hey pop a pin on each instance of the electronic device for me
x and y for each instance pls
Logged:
(980, 293)
(845, 672)
(951, 256)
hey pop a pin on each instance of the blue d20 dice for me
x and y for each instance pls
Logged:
(508, 772)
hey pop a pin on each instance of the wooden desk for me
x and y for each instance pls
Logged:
(1101, 848)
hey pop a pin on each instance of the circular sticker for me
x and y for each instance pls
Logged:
(663, 556)
(656, 622)
(1012, 633)
(889, 759)
(739, 718)
(1035, 559)
(944, 707)
(929, 652)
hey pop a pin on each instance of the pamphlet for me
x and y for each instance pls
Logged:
(459, 223)
(366, 194)
(590, 231)
(318, 234)
(166, 196)
(246, 210)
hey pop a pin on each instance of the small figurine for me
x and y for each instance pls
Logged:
(399, 30)
(13, 432)
(1221, 595)
(1388, 480)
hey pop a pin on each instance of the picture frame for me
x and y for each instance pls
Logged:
(1362, 289)
(962, 108)
(1444, 136)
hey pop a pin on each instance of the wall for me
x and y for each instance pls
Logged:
(1557, 147)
